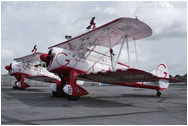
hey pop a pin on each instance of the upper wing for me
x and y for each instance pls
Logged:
(30, 58)
(122, 76)
(133, 29)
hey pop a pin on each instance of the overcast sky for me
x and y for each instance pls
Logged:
(24, 24)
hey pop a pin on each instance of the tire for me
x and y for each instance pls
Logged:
(158, 94)
(56, 94)
(22, 88)
(14, 87)
(72, 98)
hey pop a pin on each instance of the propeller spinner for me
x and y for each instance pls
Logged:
(47, 57)
(8, 67)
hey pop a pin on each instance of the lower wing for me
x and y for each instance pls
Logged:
(44, 78)
(123, 75)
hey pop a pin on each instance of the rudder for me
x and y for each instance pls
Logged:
(162, 71)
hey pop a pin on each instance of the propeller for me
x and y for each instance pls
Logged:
(8, 67)
(50, 55)
(47, 57)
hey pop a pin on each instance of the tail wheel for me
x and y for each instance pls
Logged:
(158, 94)
(72, 98)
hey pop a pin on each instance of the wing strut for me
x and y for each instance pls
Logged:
(119, 52)
(95, 44)
(136, 53)
(75, 52)
(68, 46)
(91, 49)
(105, 54)
(128, 51)
(76, 49)
(111, 50)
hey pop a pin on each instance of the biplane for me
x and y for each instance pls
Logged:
(80, 58)
(30, 67)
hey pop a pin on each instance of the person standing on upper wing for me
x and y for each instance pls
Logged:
(92, 23)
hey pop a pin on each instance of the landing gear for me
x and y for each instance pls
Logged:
(68, 87)
(15, 87)
(58, 94)
(62, 94)
(20, 84)
(57, 90)
(72, 98)
(22, 88)
(158, 93)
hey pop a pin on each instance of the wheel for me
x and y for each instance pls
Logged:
(14, 87)
(22, 88)
(158, 94)
(56, 94)
(73, 98)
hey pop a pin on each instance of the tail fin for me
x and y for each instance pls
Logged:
(162, 71)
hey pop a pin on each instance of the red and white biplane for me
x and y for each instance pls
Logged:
(80, 58)
(30, 67)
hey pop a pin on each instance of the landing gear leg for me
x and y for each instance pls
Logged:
(73, 76)
(158, 93)
(74, 91)
(57, 89)
(18, 78)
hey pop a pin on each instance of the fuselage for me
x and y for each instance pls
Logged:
(64, 61)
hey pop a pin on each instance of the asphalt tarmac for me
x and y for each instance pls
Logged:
(105, 105)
